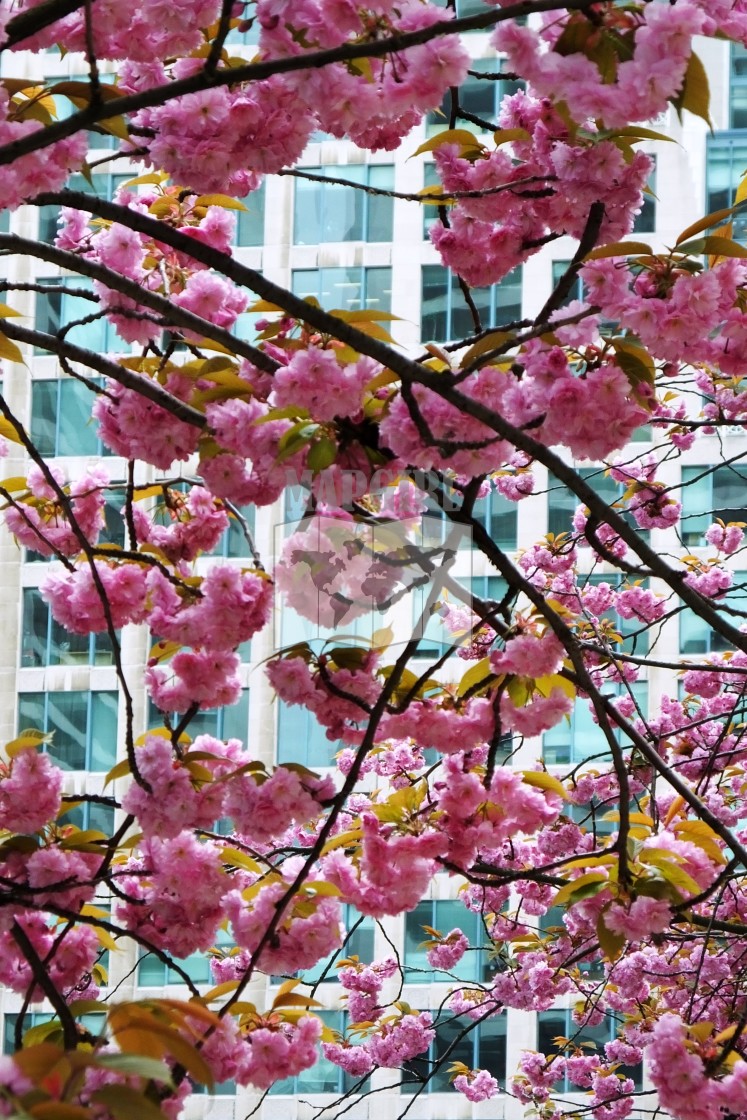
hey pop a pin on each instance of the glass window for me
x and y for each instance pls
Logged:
(345, 289)
(560, 1024)
(324, 1076)
(325, 212)
(231, 722)
(152, 972)
(44, 642)
(250, 223)
(444, 312)
(696, 635)
(498, 516)
(458, 1039)
(84, 725)
(104, 186)
(445, 915)
(738, 100)
(579, 738)
(559, 268)
(479, 96)
(56, 309)
(708, 494)
(302, 739)
(61, 421)
(726, 162)
(562, 502)
(89, 814)
(233, 545)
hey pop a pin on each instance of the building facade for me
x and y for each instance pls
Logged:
(349, 249)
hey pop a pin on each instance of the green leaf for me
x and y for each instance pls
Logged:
(509, 135)
(29, 739)
(695, 95)
(477, 674)
(322, 454)
(595, 881)
(620, 249)
(117, 771)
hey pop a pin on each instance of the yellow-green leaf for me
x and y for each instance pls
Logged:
(9, 350)
(619, 249)
(591, 879)
(610, 943)
(223, 200)
(543, 780)
(695, 95)
(466, 140)
(117, 771)
(714, 219)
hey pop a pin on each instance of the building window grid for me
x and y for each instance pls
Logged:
(231, 722)
(577, 738)
(726, 162)
(697, 637)
(333, 287)
(445, 915)
(444, 312)
(481, 97)
(84, 725)
(321, 209)
(559, 1023)
(458, 1039)
(61, 421)
(44, 642)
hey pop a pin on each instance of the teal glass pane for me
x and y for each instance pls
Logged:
(462, 323)
(235, 723)
(35, 629)
(343, 208)
(250, 223)
(99, 817)
(454, 1042)
(492, 1047)
(31, 711)
(696, 635)
(498, 516)
(234, 544)
(708, 495)
(434, 315)
(507, 295)
(302, 739)
(77, 434)
(66, 648)
(151, 972)
(430, 213)
(378, 289)
(645, 220)
(67, 718)
(380, 209)
(104, 707)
